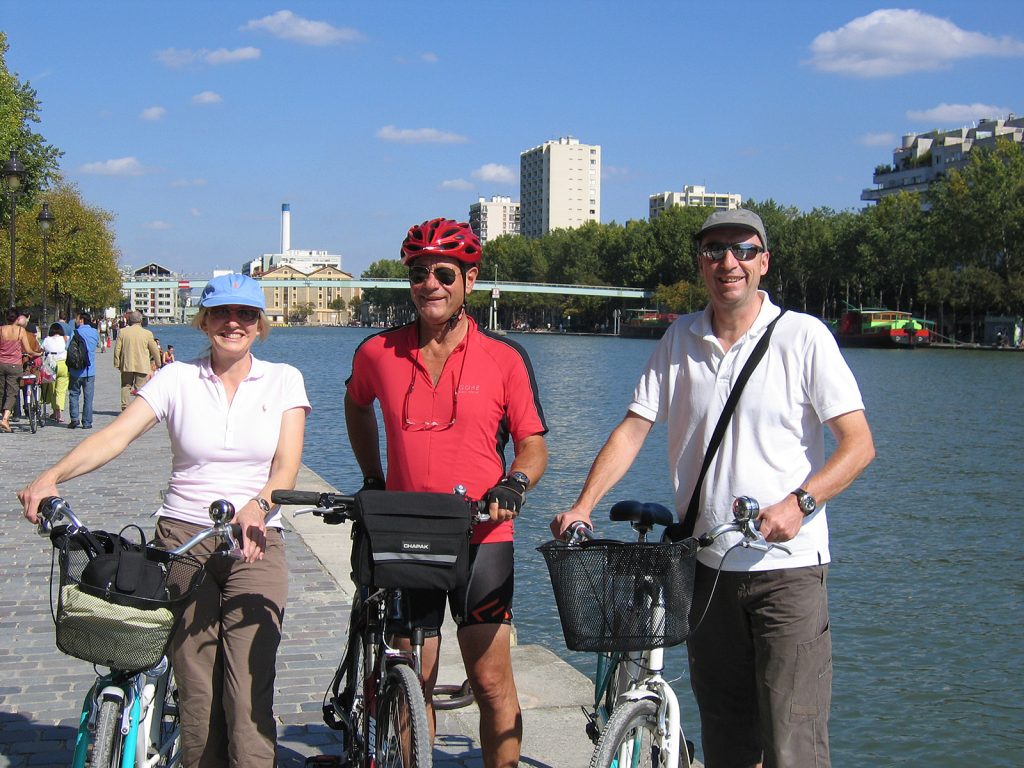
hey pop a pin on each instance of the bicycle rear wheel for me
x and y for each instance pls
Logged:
(105, 743)
(32, 406)
(630, 740)
(403, 737)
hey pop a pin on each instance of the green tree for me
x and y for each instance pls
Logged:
(895, 245)
(19, 108)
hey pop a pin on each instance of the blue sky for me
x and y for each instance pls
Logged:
(193, 122)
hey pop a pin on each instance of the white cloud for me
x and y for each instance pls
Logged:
(207, 97)
(430, 58)
(456, 184)
(224, 56)
(182, 183)
(152, 114)
(419, 136)
(957, 113)
(893, 41)
(158, 225)
(614, 172)
(122, 166)
(195, 212)
(181, 58)
(878, 140)
(500, 174)
(288, 26)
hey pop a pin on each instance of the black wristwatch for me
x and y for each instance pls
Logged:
(262, 503)
(807, 502)
(519, 477)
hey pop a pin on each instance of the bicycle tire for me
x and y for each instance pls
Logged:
(165, 726)
(403, 737)
(103, 741)
(33, 410)
(631, 737)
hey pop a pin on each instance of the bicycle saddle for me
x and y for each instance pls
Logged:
(642, 513)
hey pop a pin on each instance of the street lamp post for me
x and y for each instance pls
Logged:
(14, 172)
(45, 221)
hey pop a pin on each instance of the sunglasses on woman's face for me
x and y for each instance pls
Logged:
(244, 314)
(444, 275)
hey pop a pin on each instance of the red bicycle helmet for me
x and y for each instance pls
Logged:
(443, 237)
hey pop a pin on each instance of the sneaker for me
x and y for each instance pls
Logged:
(73, 424)
(87, 426)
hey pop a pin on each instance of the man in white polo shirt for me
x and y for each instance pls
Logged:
(761, 662)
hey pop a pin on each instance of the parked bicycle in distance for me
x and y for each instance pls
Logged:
(375, 698)
(130, 714)
(628, 601)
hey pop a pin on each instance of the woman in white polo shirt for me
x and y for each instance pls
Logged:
(236, 426)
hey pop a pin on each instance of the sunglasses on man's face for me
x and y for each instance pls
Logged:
(244, 314)
(444, 275)
(740, 251)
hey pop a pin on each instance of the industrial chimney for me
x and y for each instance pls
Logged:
(286, 228)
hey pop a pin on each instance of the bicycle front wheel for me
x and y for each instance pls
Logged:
(403, 738)
(165, 726)
(631, 740)
(104, 743)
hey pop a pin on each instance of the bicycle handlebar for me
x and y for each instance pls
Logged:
(336, 508)
(53, 509)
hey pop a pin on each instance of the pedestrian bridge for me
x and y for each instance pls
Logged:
(608, 291)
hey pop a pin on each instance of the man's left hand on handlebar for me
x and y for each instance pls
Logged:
(506, 498)
(564, 520)
(781, 521)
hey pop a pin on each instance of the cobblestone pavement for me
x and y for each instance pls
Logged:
(41, 690)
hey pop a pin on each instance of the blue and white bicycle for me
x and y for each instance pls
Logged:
(129, 718)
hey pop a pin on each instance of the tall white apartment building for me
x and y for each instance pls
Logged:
(159, 299)
(559, 185)
(922, 158)
(694, 196)
(494, 218)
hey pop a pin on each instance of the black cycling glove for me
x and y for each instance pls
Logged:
(510, 493)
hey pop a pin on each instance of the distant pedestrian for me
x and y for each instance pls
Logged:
(83, 380)
(136, 356)
(169, 355)
(55, 354)
(15, 341)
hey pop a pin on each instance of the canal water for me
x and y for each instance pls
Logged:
(927, 579)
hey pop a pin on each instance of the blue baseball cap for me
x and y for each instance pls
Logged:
(233, 289)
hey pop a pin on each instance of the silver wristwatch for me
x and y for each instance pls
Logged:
(807, 502)
(262, 503)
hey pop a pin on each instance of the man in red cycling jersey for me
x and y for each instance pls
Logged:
(451, 396)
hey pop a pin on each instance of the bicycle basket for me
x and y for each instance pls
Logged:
(123, 637)
(618, 596)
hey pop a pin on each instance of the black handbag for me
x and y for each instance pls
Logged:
(123, 572)
(411, 540)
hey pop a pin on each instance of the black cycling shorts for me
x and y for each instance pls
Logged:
(485, 599)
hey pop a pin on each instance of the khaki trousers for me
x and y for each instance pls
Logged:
(761, 667)
(130, 380)
(224, 653)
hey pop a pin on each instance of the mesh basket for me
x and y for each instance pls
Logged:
(617, 596)
(122, 637)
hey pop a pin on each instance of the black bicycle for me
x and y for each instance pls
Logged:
(375, 698)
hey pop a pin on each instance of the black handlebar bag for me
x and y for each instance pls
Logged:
(411, 540)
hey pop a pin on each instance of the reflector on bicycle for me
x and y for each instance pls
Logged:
(618, 596)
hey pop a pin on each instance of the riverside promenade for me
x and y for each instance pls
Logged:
(41, 690)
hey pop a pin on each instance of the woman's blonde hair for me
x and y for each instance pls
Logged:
(263, 323)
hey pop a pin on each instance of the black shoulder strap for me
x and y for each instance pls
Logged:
(690, 521)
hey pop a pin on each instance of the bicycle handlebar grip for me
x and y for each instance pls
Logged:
(50, 507)
(302, 498)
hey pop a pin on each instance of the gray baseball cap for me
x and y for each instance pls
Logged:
(738, 218)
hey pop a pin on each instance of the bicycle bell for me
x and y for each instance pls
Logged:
(745, 508)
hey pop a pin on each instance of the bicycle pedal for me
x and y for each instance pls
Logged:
(332, 720)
